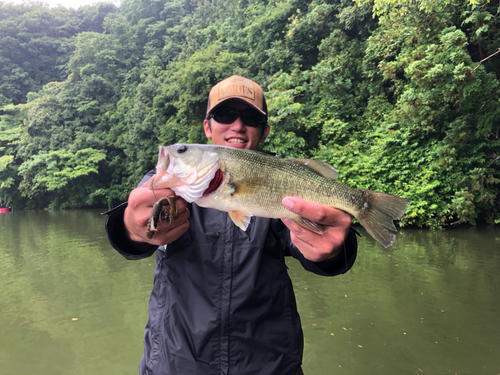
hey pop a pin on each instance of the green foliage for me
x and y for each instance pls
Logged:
(35, 42)
(424, 135)
(406, 102)
(61, 178)
(388, 8)
(284, 116)
(5, 161)
(10, 135)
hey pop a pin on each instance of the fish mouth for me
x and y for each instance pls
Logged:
(214, 183)
(163, 158)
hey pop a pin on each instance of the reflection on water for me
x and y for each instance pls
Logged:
(69, 304)
(427, 305)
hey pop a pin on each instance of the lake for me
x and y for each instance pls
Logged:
(430, 304)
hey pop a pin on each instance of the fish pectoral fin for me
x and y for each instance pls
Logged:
(246, 186)
(240, 219)
(309, 224)
(319, 167)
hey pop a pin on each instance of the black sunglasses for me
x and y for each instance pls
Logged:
(228, 115)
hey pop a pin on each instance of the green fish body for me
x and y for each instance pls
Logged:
(248, 183)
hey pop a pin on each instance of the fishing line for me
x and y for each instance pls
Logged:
(154, 195)
(152, 188)
(347, 311)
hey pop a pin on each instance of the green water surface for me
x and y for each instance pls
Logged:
(430, 304)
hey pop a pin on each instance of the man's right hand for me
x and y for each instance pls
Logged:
(136, 216)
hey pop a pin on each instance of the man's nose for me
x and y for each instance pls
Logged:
(237, 124)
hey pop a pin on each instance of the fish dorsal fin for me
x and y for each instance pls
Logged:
(322, 168)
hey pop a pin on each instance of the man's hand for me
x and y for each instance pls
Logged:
(136, 216)
(317, 247)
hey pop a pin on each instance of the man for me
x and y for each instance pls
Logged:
(222, 301)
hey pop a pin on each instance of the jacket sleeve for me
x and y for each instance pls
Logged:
(117, 234)
(331, 267)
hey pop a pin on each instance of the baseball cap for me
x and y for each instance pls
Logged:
(237, 87)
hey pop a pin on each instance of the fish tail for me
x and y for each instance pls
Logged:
(379, 213)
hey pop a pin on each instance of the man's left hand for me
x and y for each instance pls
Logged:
(317, 247)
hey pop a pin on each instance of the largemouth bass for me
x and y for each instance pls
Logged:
(248, 183)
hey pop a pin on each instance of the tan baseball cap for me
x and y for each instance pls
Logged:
(237, 87)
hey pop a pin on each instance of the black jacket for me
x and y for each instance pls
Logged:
(222, 301)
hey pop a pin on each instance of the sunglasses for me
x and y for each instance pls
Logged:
(228, 115)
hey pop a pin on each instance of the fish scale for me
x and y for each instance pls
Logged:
(254, 184)
(283, 178)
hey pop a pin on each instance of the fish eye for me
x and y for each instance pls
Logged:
(182, 149)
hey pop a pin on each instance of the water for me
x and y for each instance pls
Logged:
(428, 305)
(70, 304)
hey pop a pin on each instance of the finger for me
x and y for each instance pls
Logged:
(309, 251)
(138, 212)
(165, 229)
(170, 236)
(316, 212)
(180, 203)
(298, 231)
(312, 238)
(296, 228)
(312, 211)
(315, 245)
(171, 223)
(147, 184)
(140, 198)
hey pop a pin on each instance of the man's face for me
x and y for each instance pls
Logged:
(236, 134)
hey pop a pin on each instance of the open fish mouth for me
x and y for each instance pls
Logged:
(190, 172)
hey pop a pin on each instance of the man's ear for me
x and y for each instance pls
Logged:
(265, 133)
(206, 126)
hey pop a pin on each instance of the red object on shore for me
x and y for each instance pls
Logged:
(4, 210)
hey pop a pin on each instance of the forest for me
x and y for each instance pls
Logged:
(399, 96)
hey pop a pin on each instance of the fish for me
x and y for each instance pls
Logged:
(248, 183)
